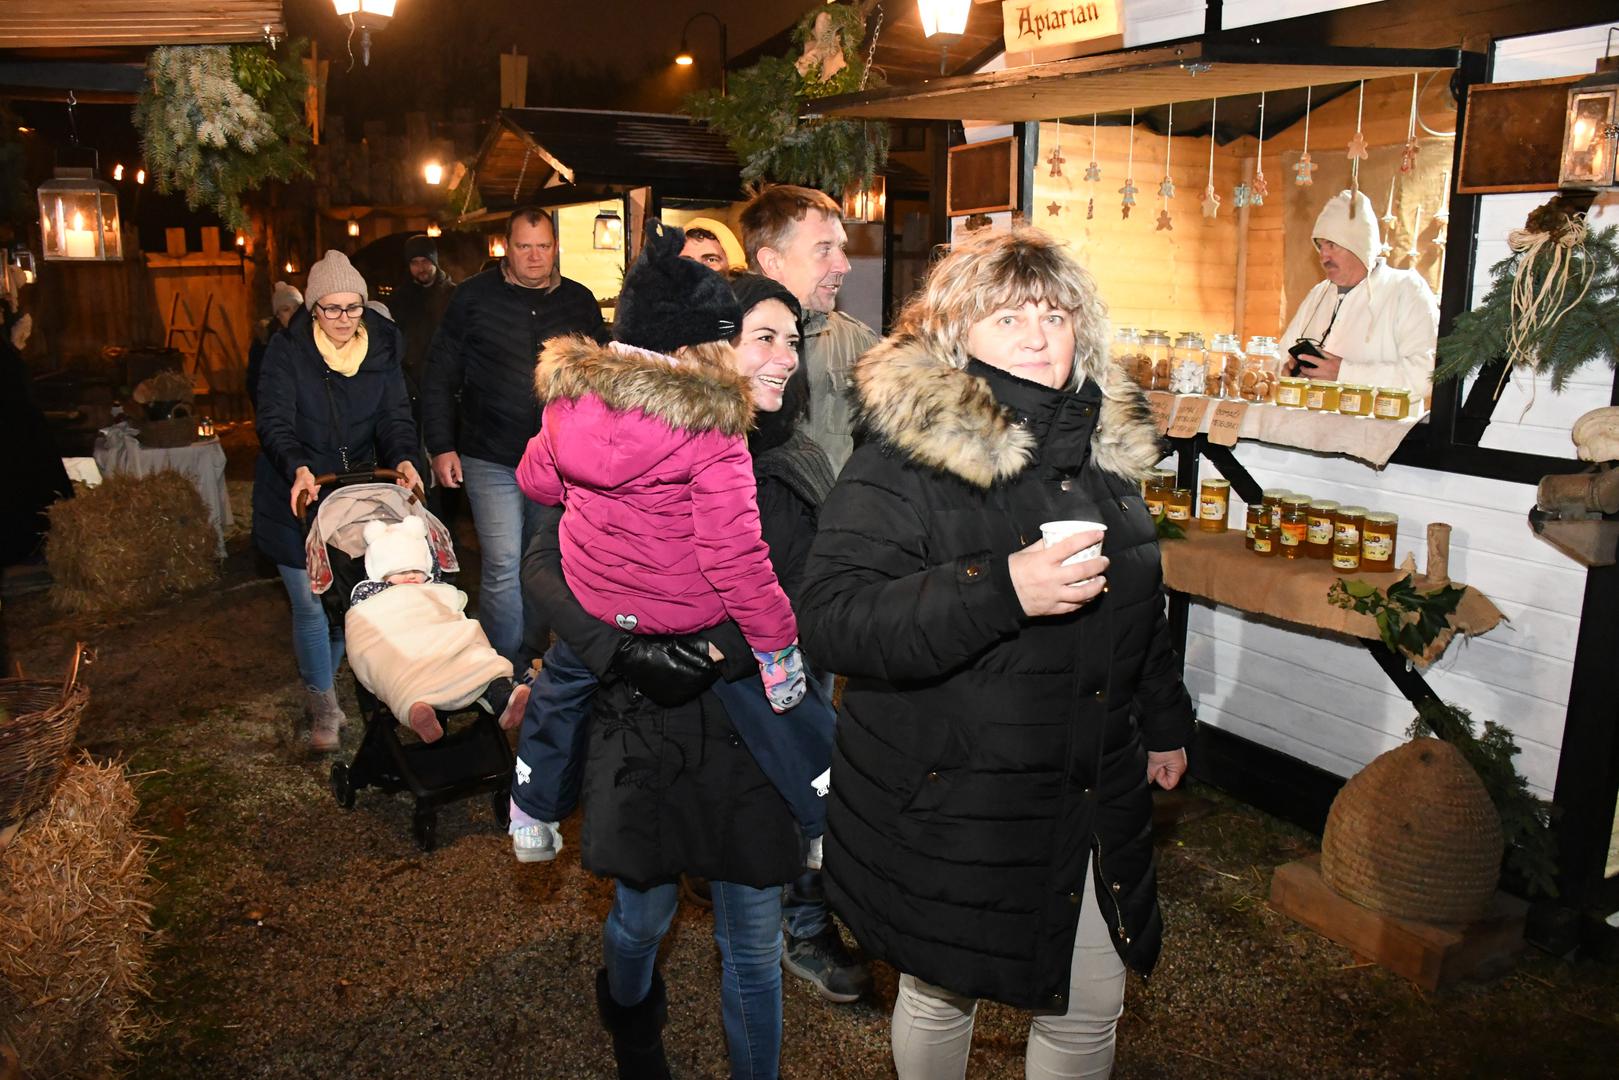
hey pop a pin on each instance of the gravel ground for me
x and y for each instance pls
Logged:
(300, 940)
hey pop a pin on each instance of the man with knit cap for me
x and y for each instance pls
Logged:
(418, 304)
(1368, 323)
(285, 300)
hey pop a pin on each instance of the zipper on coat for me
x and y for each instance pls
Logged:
(1107, 890)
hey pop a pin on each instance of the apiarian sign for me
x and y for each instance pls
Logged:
(1042, 24)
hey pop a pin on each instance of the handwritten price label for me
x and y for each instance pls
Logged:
(1226, 424)
(1162, 405)
(1188, 417)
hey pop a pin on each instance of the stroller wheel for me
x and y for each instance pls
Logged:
(424, 827)
(500, 802)
(342, 788)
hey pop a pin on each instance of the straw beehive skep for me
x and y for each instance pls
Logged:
(128, 542)
(75, 928)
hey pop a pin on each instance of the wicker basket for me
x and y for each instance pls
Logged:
(41, 719)
(1414, 835)
(178, 430)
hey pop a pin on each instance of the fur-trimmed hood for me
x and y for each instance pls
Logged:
(912, 397)
(687, 394)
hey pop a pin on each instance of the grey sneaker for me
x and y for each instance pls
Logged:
(824, 962)
(539, 842)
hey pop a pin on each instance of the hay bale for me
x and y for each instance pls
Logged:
(76, 928)
(129, 542)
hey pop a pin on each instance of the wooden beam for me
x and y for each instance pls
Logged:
(45, 24)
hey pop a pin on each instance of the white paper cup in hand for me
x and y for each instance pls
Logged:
(1053, 532)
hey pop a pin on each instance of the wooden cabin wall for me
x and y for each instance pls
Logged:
(1182, 278)
(83, 308)
(223, 360)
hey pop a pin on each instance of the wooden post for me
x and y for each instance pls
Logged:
(1438, 566)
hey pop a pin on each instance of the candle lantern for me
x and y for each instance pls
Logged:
(865, 203)
(78, 217)
(608, 233)
(497, 246)
(1591, 131)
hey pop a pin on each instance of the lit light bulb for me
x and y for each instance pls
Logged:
(434, 230)
(497, 247)
(290, 267)
(354, 227)
(241, 239)
(140, 176)
(433, 173)
(118, 171)
(685, 59)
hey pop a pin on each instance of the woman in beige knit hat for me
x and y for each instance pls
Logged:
(332, 399)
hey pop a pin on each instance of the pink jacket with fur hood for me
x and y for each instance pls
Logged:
(649, 456)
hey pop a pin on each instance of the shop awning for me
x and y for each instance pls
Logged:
(1137, 78)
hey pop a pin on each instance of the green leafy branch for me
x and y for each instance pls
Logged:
(1526, 821)
(1408, 620)
(1167, 529)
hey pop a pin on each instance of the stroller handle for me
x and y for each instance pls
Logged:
(357, 476)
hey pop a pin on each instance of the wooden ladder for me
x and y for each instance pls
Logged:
(196, 332)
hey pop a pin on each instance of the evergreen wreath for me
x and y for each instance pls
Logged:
(218, 121)
(1553, 304)
(761, 117)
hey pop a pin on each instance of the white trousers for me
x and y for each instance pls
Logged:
(933, 1027)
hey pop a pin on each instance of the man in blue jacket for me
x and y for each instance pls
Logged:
(479, 409)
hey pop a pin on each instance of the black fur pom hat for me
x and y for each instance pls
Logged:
(668, 301)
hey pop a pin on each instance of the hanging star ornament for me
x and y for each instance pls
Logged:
(1167, 188)
(1129, 192)
(1056, 159)
(1093, 172)
(1261, 188)
(1210, 202)
(1164, 224)
(1303, 170)
(1240, 195)
(1053, 208)
(1408, 156)
(1357, 147)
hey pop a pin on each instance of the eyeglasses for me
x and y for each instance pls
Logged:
(333, 311)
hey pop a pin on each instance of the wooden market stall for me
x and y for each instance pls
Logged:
(1289, 709)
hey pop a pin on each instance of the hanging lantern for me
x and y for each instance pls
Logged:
(366, 16)
(433, 173)
(497, 246)
(354, 226)
(433, 230)
(866, 204)
(78, 217)
(608, 234)
(944, 16)
(1591, 131)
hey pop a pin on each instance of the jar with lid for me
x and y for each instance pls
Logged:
(1345, 555)
(1322, 395)
(1318, 534)
(1266, 351)
(1126, 352)
(1346, 524)
(1155, 345)
(1189, 365)
(1225, 366)
(1265, 541)
(1213, 505)
(1178, 505)
(1295, 525)
(1355, 400)
(1290, 391)
(1159, 485)
(1391, 403)
(1261, 368)
(1377, 539)
(1271, 499)
(1258, 514)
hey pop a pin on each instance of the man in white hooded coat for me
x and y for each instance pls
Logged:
(1375, 325)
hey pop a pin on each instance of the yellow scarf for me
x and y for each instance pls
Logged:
(345, 359)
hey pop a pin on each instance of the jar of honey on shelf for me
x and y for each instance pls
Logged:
(1178, 506)
(1355, 400)
(1391, 403)
(1319, 519)
(1258, 514)
(1271, 499)
(1213, 505)
(1290, 391)
(1295, 525)
(1322, 395)
(1345, 555)
(1265, 541)
(1377, 538)
(1159, 485)
(1346, 525)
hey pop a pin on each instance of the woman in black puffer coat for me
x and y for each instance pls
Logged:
(989, 826)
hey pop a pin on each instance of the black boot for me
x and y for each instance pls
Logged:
(637, 1030)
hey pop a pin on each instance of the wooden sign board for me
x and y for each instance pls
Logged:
(1225, 426)
(1512, 136)
(1162, 405)
(983, 177)
(1044, 30)
(1189, 413)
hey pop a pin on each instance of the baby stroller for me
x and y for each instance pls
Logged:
(472, 759)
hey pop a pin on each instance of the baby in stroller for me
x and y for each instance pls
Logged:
(410, 642)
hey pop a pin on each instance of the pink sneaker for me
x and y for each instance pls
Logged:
(424, 722)
(512, 714)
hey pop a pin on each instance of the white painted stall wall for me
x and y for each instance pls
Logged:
(1248, 12)
(1530, 418)
(1327, 702)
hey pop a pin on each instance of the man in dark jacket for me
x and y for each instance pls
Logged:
(418, 306)
(481, 365)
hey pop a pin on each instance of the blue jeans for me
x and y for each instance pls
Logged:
(551, 743)
(747, 928)
(505, 519)
(317, 644)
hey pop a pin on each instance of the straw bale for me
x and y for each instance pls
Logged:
(128, 542)
(76, 928)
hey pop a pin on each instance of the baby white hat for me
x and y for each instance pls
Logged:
(394, 549)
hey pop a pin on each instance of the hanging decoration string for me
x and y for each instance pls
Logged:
(1261, 187)
(1129, 189)
(1211, 198)
(1302, 172)
(1357, 152)
(1408, 153)
(1167, 189)
(1093, 173)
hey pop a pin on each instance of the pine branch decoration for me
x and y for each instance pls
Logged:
(217, 122)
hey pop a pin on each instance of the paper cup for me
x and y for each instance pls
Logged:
(1053, 531)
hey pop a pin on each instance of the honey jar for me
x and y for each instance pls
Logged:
(1377, 538)
(1295, 525)
(1319, 520)
(1322, 395)
(1355, 400)
(1271, 499)
(1178, 505)
(1265, 541)
(1391, 403)
(1345, 555)
(1290, 392)
(1213, 505)
(1258, 514)
(1346, 524)
(1159, 485)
